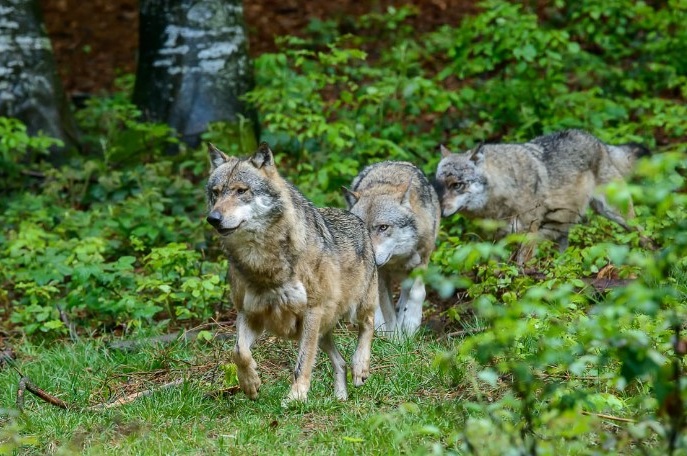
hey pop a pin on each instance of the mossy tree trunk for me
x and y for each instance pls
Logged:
(193, 65)
(30, 88)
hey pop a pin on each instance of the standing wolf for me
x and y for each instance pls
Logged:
(294, 269)
(543, 186)
(401, 211)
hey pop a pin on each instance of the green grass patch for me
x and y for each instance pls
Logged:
(391, 413)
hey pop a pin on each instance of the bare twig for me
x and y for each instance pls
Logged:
(20, 394)
(464, 332)
(26, 384)
(610, 417)
(32, 173)
(132, 397)
(592, 378)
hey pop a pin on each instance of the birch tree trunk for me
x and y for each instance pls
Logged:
(193, 65)
(30, 88)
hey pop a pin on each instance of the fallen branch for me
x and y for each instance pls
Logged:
(132, 397)
(20, 394)
(610, 417)
(26, 385)
(465, 332)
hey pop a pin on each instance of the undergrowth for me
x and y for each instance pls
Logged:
(580, 353)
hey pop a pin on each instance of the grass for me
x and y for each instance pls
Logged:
(391, 413)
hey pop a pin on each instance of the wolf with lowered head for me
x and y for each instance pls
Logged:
(294, 269)
(401, 210)
(541, 187)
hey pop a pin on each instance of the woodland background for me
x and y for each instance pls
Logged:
(112, 284)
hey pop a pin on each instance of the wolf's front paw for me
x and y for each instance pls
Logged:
(360, 374)
(340, 390)
(408, 322)
(298, 393)
(249, 383)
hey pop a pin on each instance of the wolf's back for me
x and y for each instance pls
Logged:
(394, 177)
(571, 151)
(348, 233)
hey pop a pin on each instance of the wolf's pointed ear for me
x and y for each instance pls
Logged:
(350, 196)
(217, 157)
(263, 157)
(444, 151)
(405, 199)
(478, 153)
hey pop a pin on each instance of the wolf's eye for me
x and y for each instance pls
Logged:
(382, 228)
(241, 191)
(456, 186)
(215, 192)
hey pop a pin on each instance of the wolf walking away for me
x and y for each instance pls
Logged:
(294, 269)
(401, 210)
(543, 186)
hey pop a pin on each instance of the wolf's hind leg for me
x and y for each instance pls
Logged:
(526, 250)
(410, 307)
(338, 365)
(601, 207)
(245, 364)
(307, 351)
(385, 314)
(563, 243)
(360, 364)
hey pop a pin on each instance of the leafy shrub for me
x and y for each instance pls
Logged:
(111, 243)
(547, 359)
(17, 147)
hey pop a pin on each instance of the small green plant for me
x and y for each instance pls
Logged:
(582, 351)
(17, 148)
(113, 126)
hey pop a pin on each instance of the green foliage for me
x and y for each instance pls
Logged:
(233, 138)
(17, 147)
(552, 360)
(11, 436)
(112, 242)
(552, 347)
(112, 126)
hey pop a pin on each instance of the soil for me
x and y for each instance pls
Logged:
(97, 40)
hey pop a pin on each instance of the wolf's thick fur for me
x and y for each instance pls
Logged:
(401, 210)
(543, 186)
(294, 269)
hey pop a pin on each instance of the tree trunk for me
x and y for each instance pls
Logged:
(30, 88)
(193, 65)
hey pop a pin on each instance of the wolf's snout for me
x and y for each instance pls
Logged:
(214, 219)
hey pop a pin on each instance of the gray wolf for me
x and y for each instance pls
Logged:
(401, 210)
(543, 186)
(294, 269)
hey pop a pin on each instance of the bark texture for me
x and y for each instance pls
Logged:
(193, 64)
(30, 89)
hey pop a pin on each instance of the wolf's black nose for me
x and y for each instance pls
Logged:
(214, 218)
